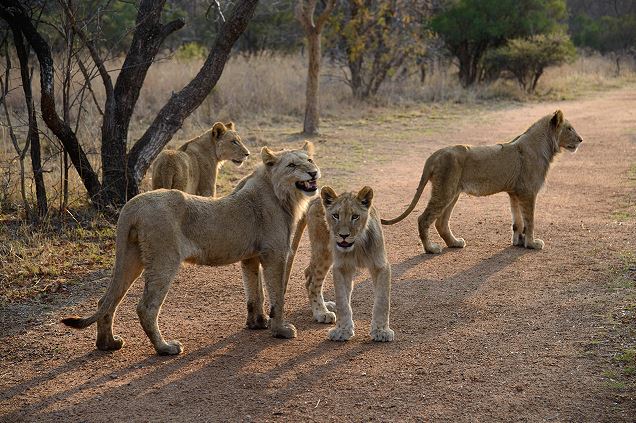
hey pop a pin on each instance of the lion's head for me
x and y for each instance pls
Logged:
(292, 171)
(347, 215)
(567, 137)
(228, 143)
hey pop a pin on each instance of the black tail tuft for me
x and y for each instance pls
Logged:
(75, 322)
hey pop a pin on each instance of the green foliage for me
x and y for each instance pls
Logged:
(374, 38)
(606, 34)
(191, 51)
(527, 58)
(470, 27)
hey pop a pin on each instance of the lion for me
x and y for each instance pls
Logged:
(158, 230)
(193, 168)
(518, 167)
(345, 230)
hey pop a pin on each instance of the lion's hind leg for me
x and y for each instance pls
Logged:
(441, 198)
(126, 271)
(442, 224)
(253, 284)
(158, 280)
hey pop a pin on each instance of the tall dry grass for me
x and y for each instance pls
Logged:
(270, 89)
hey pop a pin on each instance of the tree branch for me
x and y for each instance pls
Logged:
(182, 104)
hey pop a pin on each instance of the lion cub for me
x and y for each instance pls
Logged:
(193, 168)
(345, 230)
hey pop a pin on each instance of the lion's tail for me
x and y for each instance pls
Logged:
(300, 228)
(426, 174)
(126, 234)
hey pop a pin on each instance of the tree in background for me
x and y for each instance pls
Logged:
(614, 35)
(305, 11)
(527, 58)
(123, 170)
(374, 38)
(470, 27)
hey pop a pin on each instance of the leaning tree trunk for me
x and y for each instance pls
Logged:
(305, 14)
(182, 104)
(14, 14)
(147, 40)
(33, 134)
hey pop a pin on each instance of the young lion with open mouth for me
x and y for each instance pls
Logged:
(345, 230)
(518, 168)
(158, 230)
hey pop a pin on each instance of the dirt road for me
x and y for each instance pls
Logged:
(487, 333)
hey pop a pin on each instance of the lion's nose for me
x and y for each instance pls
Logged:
(580, 139)
(313, 174)
(247, 153)
(344, 236)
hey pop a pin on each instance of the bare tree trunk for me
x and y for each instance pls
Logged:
(182, 104)
(14, 14)
(33, 134)
(4, 90)
(305, 14)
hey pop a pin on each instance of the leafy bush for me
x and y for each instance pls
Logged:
(191, 51)
(526, 58)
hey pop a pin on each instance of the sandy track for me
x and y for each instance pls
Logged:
(487, 333)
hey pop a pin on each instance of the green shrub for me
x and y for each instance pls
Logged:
(191, 51)
(525, 59)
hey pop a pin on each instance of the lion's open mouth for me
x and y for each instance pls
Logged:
(307, 186)
(238, 162)
(572, 147)
(344, 244)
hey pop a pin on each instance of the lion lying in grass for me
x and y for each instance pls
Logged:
(518, 168)
(194, 167)
(158, 230)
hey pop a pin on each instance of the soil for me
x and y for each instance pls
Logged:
(490, 332)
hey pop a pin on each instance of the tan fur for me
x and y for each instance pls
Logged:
(352, 219)
(518, 168)
(193, 168)
(158, 230)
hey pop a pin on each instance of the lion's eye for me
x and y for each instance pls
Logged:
(235, 142)
(355, 217)
(292, 165)
(336, 216)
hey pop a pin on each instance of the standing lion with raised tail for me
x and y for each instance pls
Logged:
(518, 168)
(158, 230)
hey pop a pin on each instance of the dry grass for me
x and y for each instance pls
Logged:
(265, 97)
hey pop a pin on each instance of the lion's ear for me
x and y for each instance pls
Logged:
(557, 119)
(365, 196)
(268, 156)
(218, 129)
(328, 195)
(308, 146)
(230, 126)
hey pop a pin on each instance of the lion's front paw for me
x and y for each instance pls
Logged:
(258, 321)
(537, 244)
(457, 243)
(170, 348)
(331, 305)
(432, 248)
(519, 240)
(112, 344)
(382, 335)
(341, 333)
(325, 316)
(286, 331)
